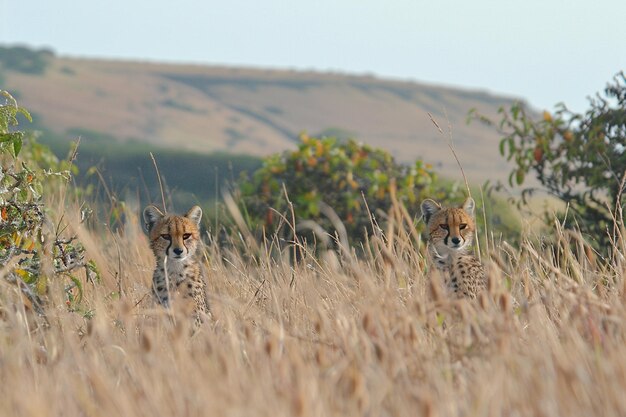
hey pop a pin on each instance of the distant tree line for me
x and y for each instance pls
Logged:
(25, 60)
(125, 166)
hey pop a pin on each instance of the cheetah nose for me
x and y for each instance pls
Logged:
(456, 240)
(178, 251)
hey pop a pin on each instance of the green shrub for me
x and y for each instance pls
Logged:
(32, 252)
(351, 178)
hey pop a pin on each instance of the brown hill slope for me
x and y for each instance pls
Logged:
(259, 112)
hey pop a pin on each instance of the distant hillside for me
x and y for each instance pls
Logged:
(251, 111)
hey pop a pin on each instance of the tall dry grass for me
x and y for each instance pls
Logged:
(371, 336)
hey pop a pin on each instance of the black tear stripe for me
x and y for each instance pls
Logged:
(167, 250)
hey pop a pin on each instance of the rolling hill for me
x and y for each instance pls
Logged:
(205, 109)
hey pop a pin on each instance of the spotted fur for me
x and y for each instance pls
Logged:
(174, 240)
(450, 235)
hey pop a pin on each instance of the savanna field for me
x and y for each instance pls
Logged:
(346, 329)
(369, 337)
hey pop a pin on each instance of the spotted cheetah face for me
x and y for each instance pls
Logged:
(450, 229)
(171, 236)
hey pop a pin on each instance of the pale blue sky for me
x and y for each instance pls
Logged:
(541, 50)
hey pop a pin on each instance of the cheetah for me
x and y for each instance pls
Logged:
(450, 235)
(174, 240)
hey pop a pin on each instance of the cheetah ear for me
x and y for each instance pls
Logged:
(469, 205)
(151, 215)
(429, 207)
(194, 214)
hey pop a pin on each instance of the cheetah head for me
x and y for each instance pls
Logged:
(450, 229)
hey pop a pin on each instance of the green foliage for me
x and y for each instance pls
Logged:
(26, 169)
(23, 59)
(11, 141)
(343, 175)
(578, 158)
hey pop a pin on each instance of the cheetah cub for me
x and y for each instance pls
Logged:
(174, 240)
(450, 235)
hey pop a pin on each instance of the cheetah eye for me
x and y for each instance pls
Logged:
(186, 236)
(166, 237)
(444, 226)
(462, 226)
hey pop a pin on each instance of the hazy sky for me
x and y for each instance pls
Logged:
(544, 51)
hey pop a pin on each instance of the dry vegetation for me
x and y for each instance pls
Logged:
(371, 337)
